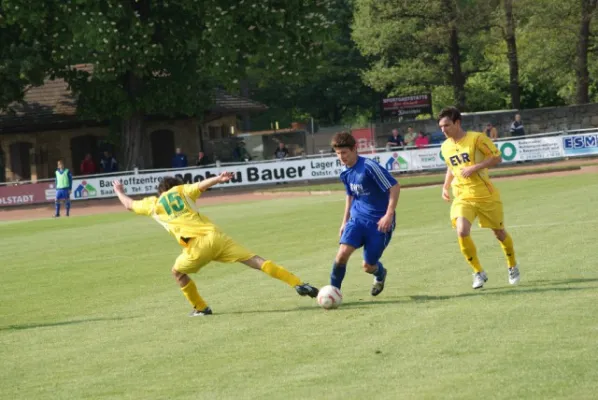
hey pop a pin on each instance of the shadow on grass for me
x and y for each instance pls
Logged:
(280, 310)
(531, 287)
(528, 287)
(61, 323)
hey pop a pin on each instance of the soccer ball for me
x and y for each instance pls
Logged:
(330, 297)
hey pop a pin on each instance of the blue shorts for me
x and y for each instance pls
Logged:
(359, 233)
(62, 194)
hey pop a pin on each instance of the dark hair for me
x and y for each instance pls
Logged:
(450, 112)
(167, 183)
(343, 140)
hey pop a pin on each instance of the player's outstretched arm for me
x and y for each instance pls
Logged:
(208, 183)
(120, 192)
(448, 179)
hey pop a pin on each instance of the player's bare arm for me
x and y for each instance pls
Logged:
(120, 192)
(346, 214)
(487, 163)
(385, 223)
(208, 183)
(448, 179)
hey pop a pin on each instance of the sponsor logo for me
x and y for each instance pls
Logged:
(396, 162)
(85, 190)
(577, 144)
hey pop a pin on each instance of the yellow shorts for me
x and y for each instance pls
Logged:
(215, 246)
(489, 212)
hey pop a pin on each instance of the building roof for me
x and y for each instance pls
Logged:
(53, 103)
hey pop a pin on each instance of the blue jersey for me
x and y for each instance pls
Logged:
(368, 183)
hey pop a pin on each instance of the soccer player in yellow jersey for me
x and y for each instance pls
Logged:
(175, 209)
(468, 156)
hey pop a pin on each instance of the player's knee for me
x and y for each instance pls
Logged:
(176, 274)
(342, 257)
(463, 232)
(500, 234)
(368, 268)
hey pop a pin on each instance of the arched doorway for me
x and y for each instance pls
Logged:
(162, 148)
(20, 161)
(80, 146)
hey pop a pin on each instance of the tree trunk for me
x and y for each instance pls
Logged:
(510, 39)
(132, 127)
(131, 142)
(581, 67)
(458, 78)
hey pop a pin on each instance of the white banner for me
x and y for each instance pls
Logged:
(541, 148)
(145, 183)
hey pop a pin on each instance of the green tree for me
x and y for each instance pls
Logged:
(23, 61)
(333, 92)
(418, 46)
(166, 58)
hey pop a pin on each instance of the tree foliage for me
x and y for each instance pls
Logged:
(165, 57)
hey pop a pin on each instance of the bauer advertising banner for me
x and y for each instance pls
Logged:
(312, 169)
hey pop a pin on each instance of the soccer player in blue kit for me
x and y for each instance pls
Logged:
(369, 218)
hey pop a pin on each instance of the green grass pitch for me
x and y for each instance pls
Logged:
(88, 309)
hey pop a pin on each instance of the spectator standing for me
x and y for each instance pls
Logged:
(201, 159)
(491, 131)
(88, 167)
(410, 137)
(422, 140)
(395, 140)
(281, 152)
(180, 159)
(240, 153)
(108, 163)
(517, 126)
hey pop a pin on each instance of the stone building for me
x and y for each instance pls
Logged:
(46, 128)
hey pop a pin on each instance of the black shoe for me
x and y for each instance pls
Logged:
(307, 290)
(204, 312)
(378, 286)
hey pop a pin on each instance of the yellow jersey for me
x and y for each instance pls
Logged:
(177, 212)
(471, 149)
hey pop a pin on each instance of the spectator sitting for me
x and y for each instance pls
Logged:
(422, 140)
(108, 163)
(491, 131)
(87, 167)
(179, 160)
(281, 152)
(395, 140)
(201, 159)
(410, 137)
(517, 126)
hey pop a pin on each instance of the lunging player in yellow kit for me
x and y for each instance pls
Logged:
(174, 208)
(468, 156)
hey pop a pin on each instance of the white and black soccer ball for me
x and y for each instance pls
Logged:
(330, 297)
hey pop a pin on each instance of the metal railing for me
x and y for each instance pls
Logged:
(321, 154)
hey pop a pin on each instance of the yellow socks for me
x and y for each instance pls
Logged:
(509, 250)
(469, 251)
(278, 272)
(191, 293)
